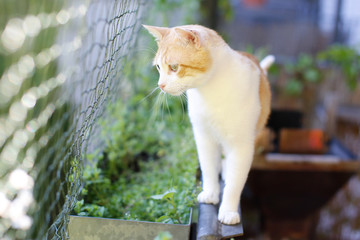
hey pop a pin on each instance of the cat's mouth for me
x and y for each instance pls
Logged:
(174, 93)
(177, 92)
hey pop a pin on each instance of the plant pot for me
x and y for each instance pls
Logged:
(86, 228)
(282, 118)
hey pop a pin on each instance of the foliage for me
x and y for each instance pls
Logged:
(168, 196)
(167, 8)
(150, 151)
(305, 70)
(226, 9)
(164, 236)
(260, 53)
(347, 59)
(302, 72)
(143, 158)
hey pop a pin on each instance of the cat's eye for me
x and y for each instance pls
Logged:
(157, 66)
(174, 67)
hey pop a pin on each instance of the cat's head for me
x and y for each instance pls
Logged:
(183, 57)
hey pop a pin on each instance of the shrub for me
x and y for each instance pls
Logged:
(144, 157)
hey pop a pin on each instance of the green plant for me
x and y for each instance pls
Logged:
(142, 158)
(259, 53)
(164, 236)
(166, 8)
(172, 215)
(149, 147)
(301, 74)
(226, 9)
(345, 58)
(130, 196)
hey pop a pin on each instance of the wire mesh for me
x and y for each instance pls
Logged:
(61, 61)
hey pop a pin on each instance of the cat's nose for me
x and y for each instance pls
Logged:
(162, 86)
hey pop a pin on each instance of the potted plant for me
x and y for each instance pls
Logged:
(297, 87)
(345, 59)
(342, 65)
(146, 176)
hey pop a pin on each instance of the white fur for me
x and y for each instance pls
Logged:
(267, 62)
(224, 112)
(224, 108)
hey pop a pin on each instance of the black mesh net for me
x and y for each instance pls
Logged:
(61, 61)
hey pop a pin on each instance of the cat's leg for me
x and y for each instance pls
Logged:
(238, 163)
(209, 157)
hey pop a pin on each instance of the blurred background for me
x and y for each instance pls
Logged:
(77, 107)
(312, 89)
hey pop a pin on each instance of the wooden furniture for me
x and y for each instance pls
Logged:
(291, 193)
(347, 127)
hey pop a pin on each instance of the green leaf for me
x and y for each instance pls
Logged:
(312, 75)
(352, 83)
(164, 219)
(294, 87)
(166, 195)
(164, 236)
(346, 59)
(78, 206)
(290, 68)
(157, 197)
(304, 61)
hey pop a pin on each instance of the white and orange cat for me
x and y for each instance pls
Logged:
(228, 101)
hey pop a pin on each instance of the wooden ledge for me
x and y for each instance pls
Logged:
(209, 228)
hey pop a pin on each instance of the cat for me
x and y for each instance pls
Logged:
(228, 104)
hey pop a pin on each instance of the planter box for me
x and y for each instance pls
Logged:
(93, 228)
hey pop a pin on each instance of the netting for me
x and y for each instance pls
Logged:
(61, 61)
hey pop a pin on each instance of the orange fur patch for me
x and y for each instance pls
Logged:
(264, 94)
(191, 59)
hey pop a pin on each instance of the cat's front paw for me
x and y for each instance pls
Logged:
(208, 197)
(230, 218)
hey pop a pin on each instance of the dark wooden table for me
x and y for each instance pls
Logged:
(291, 193)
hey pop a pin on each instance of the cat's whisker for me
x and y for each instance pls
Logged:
(145, 49)
(152, 50)
(185, 96)
(182, 89)
(183, 105)
(156, 107)
(163, 104)
(149, 94)
(167, 106)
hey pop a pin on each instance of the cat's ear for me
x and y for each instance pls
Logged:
(157, 32)
(189, 35)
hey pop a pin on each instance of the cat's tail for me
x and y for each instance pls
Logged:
(267, 62)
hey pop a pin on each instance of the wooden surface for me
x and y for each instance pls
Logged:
(290, 194)
(209, 228)
(260, 163)
(349, 114)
